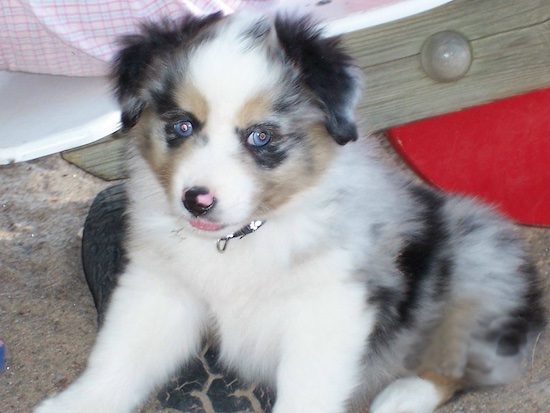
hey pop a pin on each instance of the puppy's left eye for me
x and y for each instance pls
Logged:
(183, 128)
(258, 138)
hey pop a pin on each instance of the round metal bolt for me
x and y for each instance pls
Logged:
(446, 56)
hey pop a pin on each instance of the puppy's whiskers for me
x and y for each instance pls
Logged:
(177, 233)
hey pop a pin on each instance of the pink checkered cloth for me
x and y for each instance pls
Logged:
(78, 38)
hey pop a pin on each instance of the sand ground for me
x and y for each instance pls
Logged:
(48, 321)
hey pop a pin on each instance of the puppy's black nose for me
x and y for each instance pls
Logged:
(198, 200)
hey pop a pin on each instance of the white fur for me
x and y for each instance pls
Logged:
(408, 395)
(228, 72)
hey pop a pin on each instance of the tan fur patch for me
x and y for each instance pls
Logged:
(191, 100)
(324, 147)
(446, 386)
(306, 165)
(151, 135)
(447, 349)
(150, 140)
(168, 169)
(144, 135)
(253, 111)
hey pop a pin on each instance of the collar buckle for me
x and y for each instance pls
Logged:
(221, 244)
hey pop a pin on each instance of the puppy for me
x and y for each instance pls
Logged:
(258, 217)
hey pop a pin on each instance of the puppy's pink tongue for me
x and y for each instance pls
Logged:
(205, 225)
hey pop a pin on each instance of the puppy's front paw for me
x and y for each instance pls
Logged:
(50, 406)
(64, 403)
(408, 395)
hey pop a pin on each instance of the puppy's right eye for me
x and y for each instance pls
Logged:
(183, 128)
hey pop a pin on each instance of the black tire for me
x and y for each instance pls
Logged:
(103, 255)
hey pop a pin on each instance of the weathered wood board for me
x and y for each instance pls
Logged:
(510, 41)
(104, 158)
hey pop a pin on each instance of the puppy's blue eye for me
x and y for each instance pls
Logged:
(183, 128)
(258, 138)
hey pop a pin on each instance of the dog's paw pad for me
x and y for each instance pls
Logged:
(408, 395)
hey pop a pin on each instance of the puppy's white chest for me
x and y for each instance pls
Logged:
(257, 307)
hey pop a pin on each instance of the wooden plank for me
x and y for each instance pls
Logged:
(474, 19)
(104, 158)
(511, 47)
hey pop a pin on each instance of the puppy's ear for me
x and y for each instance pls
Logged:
(135, 65)
(327, 70)
(129, 72)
